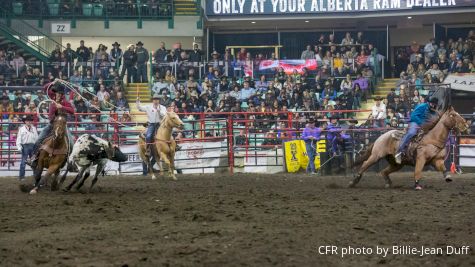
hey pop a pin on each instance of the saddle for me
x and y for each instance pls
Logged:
(409, 153)
(52, 152)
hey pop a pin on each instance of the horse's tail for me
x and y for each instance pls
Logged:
(365, 156)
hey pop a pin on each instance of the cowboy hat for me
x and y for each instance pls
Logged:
(57, 89)
(311, 120)
(27, 118)
(378, 98)
(194, 94)
(215, 53)
(139, 43)
(129, 46)
(116, 44)
(156, 96)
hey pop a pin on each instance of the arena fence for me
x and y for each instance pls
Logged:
(231, 142)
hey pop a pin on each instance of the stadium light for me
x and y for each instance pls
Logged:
(307, 21)
(253, 22)
(409, 17)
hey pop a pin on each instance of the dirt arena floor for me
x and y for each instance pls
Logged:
(239, 220)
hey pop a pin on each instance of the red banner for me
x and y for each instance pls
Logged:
(289, 65)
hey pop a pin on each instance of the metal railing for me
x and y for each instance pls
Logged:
(107, 10)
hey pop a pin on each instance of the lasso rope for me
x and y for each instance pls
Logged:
(71, 87)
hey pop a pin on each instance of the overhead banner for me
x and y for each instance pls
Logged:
(289, 65)
(290, 7)
(461, 81)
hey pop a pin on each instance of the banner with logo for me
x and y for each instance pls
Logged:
(295, 155)
(198, 155)
(461, 81)
(289, 65)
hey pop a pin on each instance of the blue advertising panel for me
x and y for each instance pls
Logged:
(227, 8)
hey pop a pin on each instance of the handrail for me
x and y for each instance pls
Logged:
(23, 30)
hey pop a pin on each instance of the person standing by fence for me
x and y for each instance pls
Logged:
(311, 135)
(26, 139)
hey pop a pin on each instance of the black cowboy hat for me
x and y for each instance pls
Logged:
(139, 43)
(27, 118)
(57, 89)
(311, 120)
(116, 44)
(378, 98)
(433, 100)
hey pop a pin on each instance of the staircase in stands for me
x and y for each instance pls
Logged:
(142, 90)
(187, 7)
(382, 90)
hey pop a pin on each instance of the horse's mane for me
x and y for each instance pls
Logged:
(432, 122)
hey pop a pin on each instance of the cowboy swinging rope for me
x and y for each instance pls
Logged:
(73, 89)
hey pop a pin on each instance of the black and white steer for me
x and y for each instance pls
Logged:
(90, 150)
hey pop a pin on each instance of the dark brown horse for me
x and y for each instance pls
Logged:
(53, 155)
(429, 150)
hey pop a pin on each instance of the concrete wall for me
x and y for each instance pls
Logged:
(403, 36)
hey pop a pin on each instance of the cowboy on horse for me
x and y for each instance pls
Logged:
(155, 115)
(421, 115)
(60, 106)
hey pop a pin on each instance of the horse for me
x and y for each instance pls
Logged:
(164, 145)
(429, 150)
(53, 154)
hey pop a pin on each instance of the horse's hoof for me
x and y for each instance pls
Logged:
(33, 191)
(418, 187)
(154, 177)
(387, 186)
(448, 179)
(351, 184)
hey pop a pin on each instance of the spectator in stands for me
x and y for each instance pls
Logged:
(120, 102)
(116, 55)
(76, 79)
(142, 60)
(18, 63)
(436, 74)
(83, 55)
(347, 40)
(6, 108)
(460, 67)
(196, 54)
(378, 113)
(430, 48)
(308, 53)
(363, 85)
(25, 141)
(416, 99)
(130, 60)
(390, 97)
(106, 104)
(102, 93)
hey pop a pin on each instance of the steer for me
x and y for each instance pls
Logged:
(90, 150)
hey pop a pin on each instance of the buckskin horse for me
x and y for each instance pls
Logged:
(52, 156)
(164, 145)
(428, 150)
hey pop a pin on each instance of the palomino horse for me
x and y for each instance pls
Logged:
(429, 150)
(53, 154)
(164, 144)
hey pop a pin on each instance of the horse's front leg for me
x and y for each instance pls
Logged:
(166, 159)
(439, 165)
(51, 170)
(54, 183)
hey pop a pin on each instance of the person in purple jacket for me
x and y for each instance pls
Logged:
(311, 135)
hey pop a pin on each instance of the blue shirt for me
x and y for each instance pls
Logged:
(309, 132)
(244, 94)
(421, 114)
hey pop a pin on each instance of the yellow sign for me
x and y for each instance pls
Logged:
(296, 155)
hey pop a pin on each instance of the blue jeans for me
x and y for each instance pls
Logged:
(311, 157)
(411, 132)
(26, 152)
(142, 73)
(151, 130)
